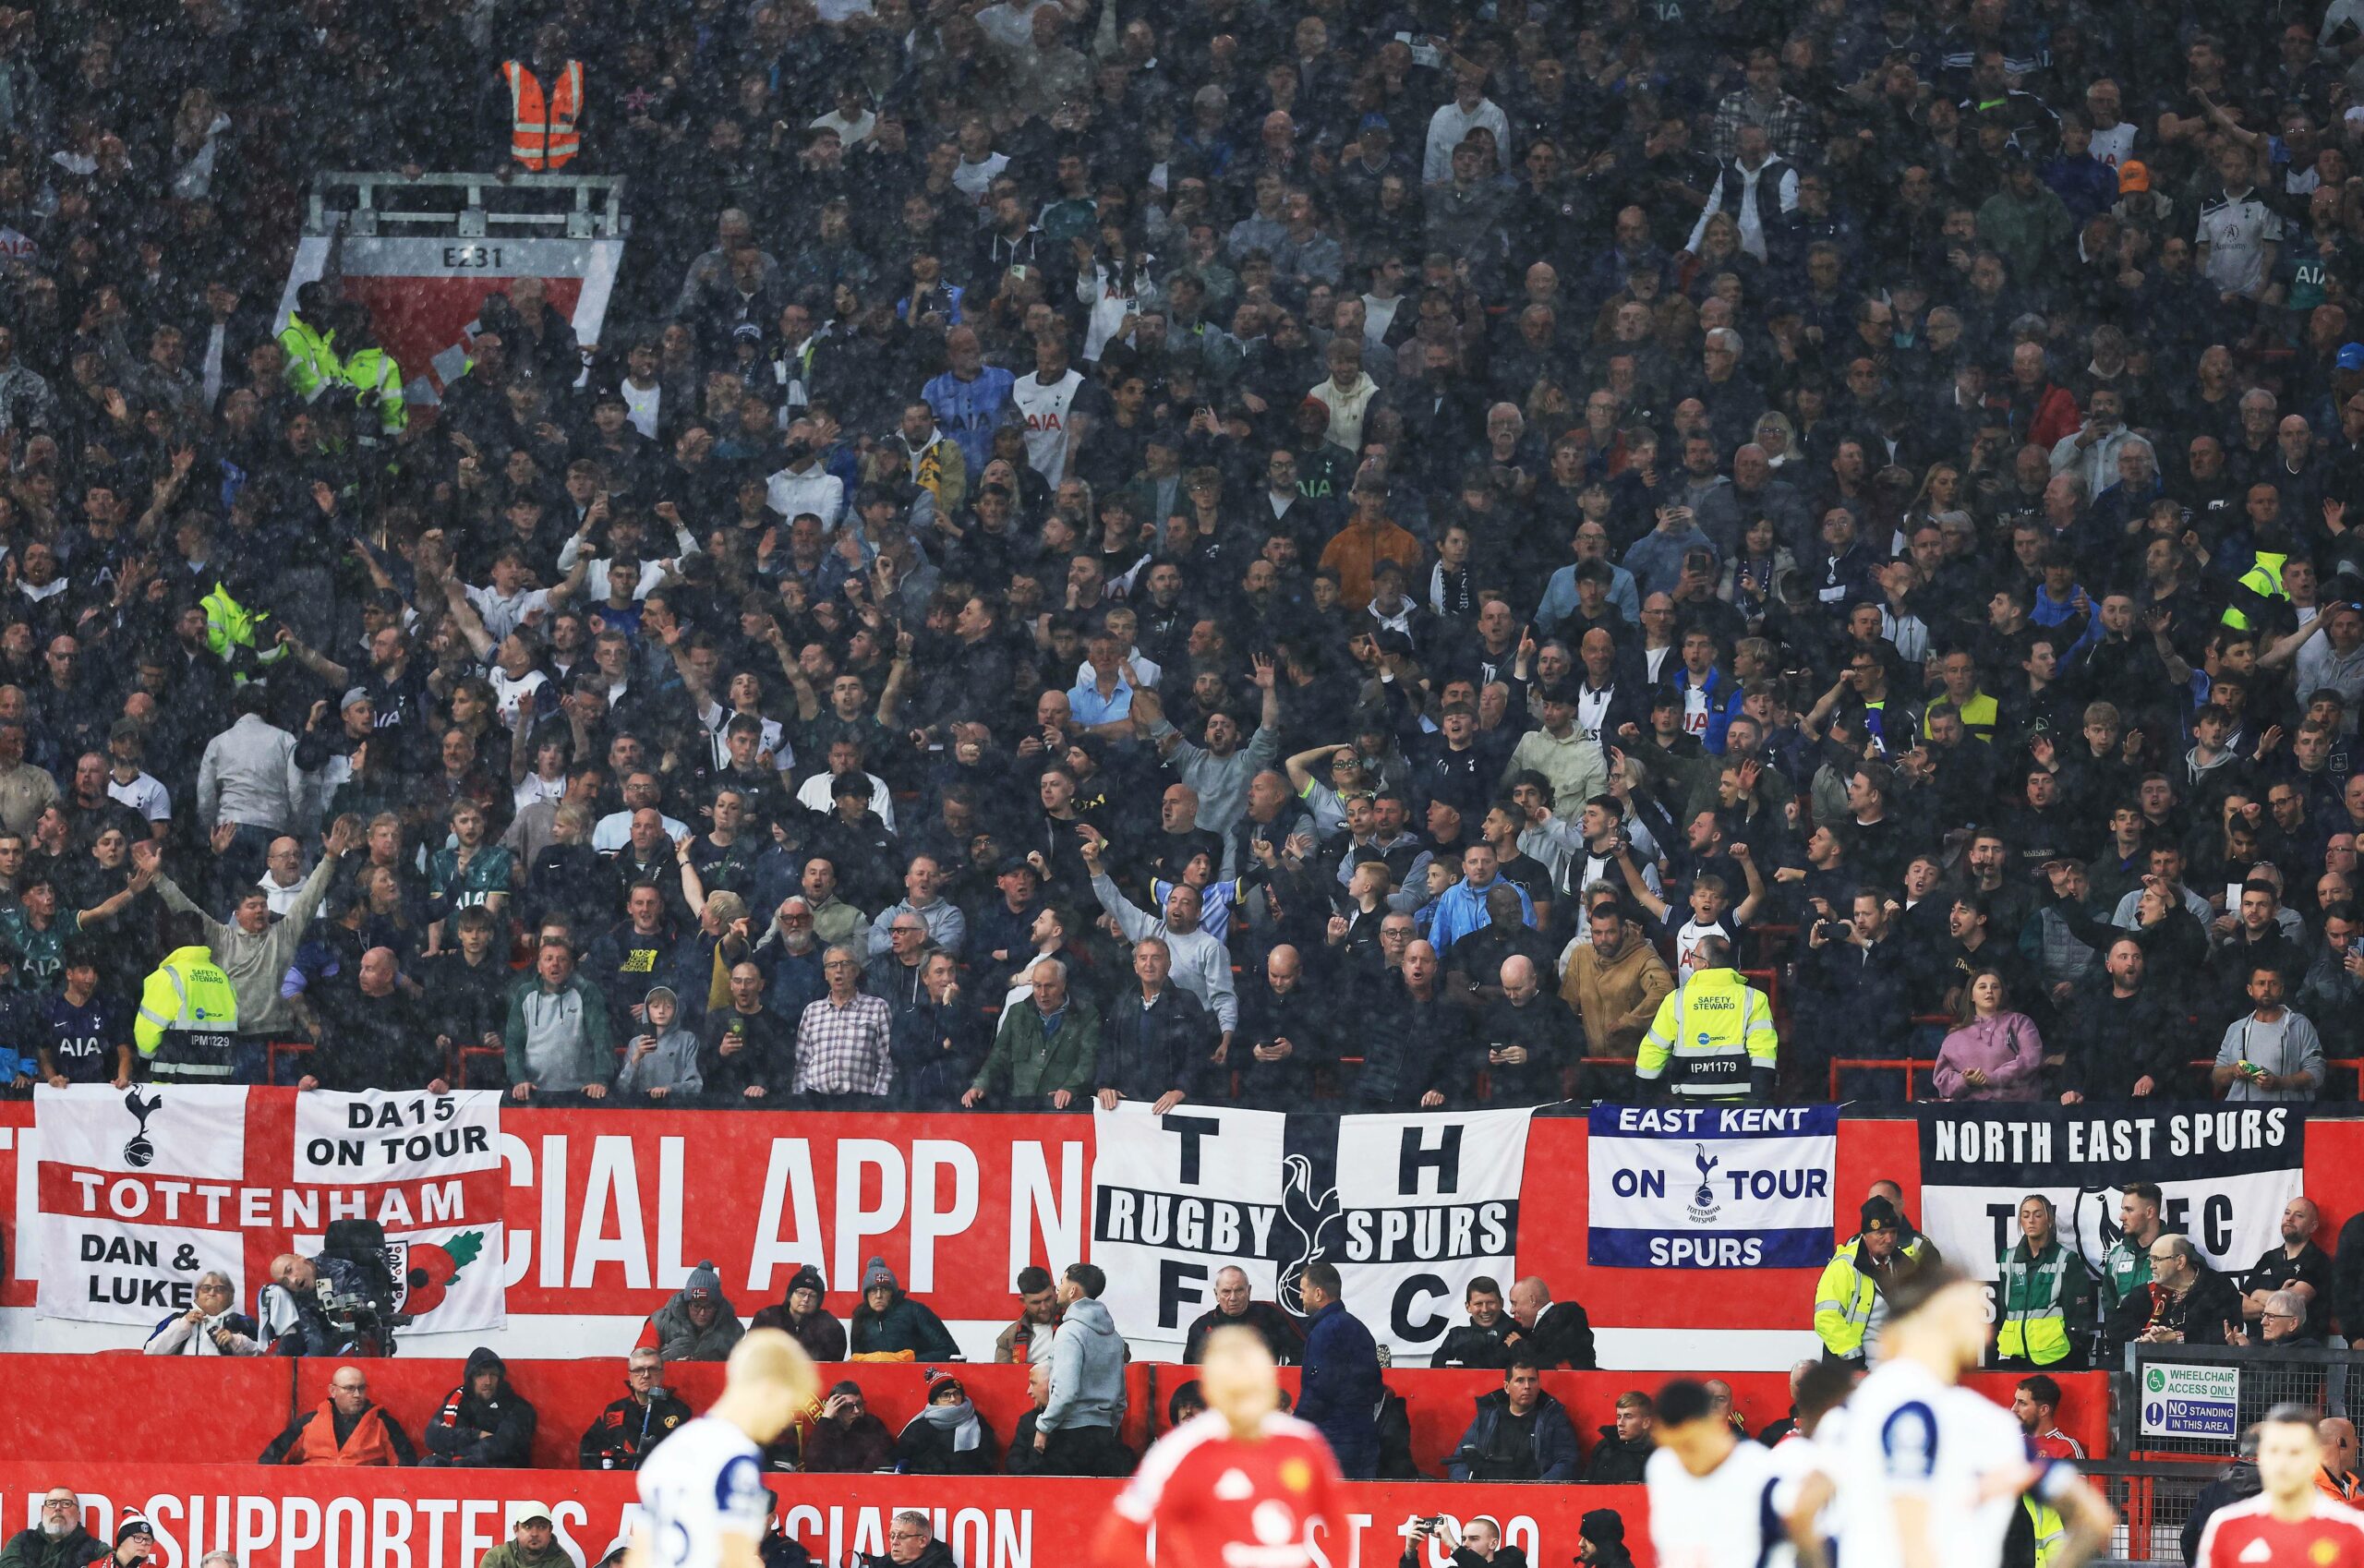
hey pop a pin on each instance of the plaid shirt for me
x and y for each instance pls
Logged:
(1787, 124)
(843, 1050)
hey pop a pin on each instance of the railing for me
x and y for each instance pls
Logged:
(2196, 1400)
(473, 219)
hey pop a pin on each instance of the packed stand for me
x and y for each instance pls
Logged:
(1106, 553)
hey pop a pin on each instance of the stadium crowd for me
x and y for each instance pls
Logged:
(1105, 552)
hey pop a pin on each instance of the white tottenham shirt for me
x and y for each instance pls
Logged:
(1905, 1434)
(1727, 1518)
(706, 1482)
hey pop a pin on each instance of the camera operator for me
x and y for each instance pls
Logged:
(321, 1307)
(1476, 1543)
(209, 1328)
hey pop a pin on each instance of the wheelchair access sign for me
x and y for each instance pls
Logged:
(2190, 1402)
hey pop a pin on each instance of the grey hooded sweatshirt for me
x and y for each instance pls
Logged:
(1086, 1370)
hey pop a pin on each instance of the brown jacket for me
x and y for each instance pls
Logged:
(1617, 999)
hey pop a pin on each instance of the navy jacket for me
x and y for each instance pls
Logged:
(1340, 1388)
(1492, 1451)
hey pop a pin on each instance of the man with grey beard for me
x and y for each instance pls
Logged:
(59, 1540)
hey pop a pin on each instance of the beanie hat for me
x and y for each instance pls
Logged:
(704, 1284)
(874, 1274)
(1603, 1526)
(133, 1525)
(941, 1383)
(1878, 1213)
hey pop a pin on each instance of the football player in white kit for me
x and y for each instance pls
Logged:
(1713, 1493)
(1929, 1472)
(702, 1491)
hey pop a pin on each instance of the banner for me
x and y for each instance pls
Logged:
(304, 1517)
(2225, 1173)
(1707, 1187)
(140, 1193)
(1407, 1208)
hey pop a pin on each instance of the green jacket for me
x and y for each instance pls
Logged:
(1036, 1065)
(2045, 1304)
(31, 1548)
(311, 357)
(509, 1554)
(2026, 232)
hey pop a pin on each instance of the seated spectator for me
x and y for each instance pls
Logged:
(1557, 1334)
(1076, 1433)
(800, 1314)
(211, 1327)
(135, 1544)
(1234, 1307)
(890, 1326)
(1992, 1053)
(620, 1436)
(2036, 1403)
(1026, 1456)
(1626, 1443)
(345, 1428)
(661, 1058)
(1038, 1313)
(2297, 1264)
(1600, 1540)
(1479, 1341)
(532, 1543)
(698, 1324)
(1476, 1544)
(2338, 1479)
(1186, 1401)
(846, 1439)
(912, 1543)
(484, 1424)
(2282, 1324)
(1520, 1433)
(2190, 1303)
(57, 1538)
(948, 1437)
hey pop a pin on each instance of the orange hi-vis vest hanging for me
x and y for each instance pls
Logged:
(542, 135)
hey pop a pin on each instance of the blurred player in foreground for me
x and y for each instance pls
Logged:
(2291, 1521)
(1238, 1475)
(1930, 1473)
(703, 1490)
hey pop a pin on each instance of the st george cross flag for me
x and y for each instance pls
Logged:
(139, 1193)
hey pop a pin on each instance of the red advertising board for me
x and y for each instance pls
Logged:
(608, 1211)
(329, 1518)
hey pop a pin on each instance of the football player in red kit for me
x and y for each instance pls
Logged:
(2290, 1522)
(1239, 1475)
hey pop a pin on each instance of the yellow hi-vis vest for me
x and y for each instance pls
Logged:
(2265, 580)
(311, 357)
(1845, 1302)
(2048, 1528)
(1708, 1033)
(188, 1026)
(2029, 1298)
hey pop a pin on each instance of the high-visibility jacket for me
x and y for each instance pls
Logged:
(372, 371)
(2045, 1303)
(542, 133)
(188, 1026)
(1844, 1304)
(2048, 1527)
(367, 1445)
(311, 357)
(1711, 1034)
(237, 635)
(2262, 581)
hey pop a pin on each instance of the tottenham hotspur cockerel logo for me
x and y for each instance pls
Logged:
(139, 1150)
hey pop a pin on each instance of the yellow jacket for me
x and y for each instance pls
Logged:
(187, 1024)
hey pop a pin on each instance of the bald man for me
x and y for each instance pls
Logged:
(2338, 1479)
(2297, 1265)
(373, 1032)
(1525, 1037)
(1285, 1029)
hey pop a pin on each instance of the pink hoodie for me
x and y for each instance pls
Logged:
(2005, 1047)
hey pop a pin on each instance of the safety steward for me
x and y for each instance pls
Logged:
(1713, 1038)
(188, 1027)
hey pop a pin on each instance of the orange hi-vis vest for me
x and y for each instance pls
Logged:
(541, 134)
(367, 1445)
